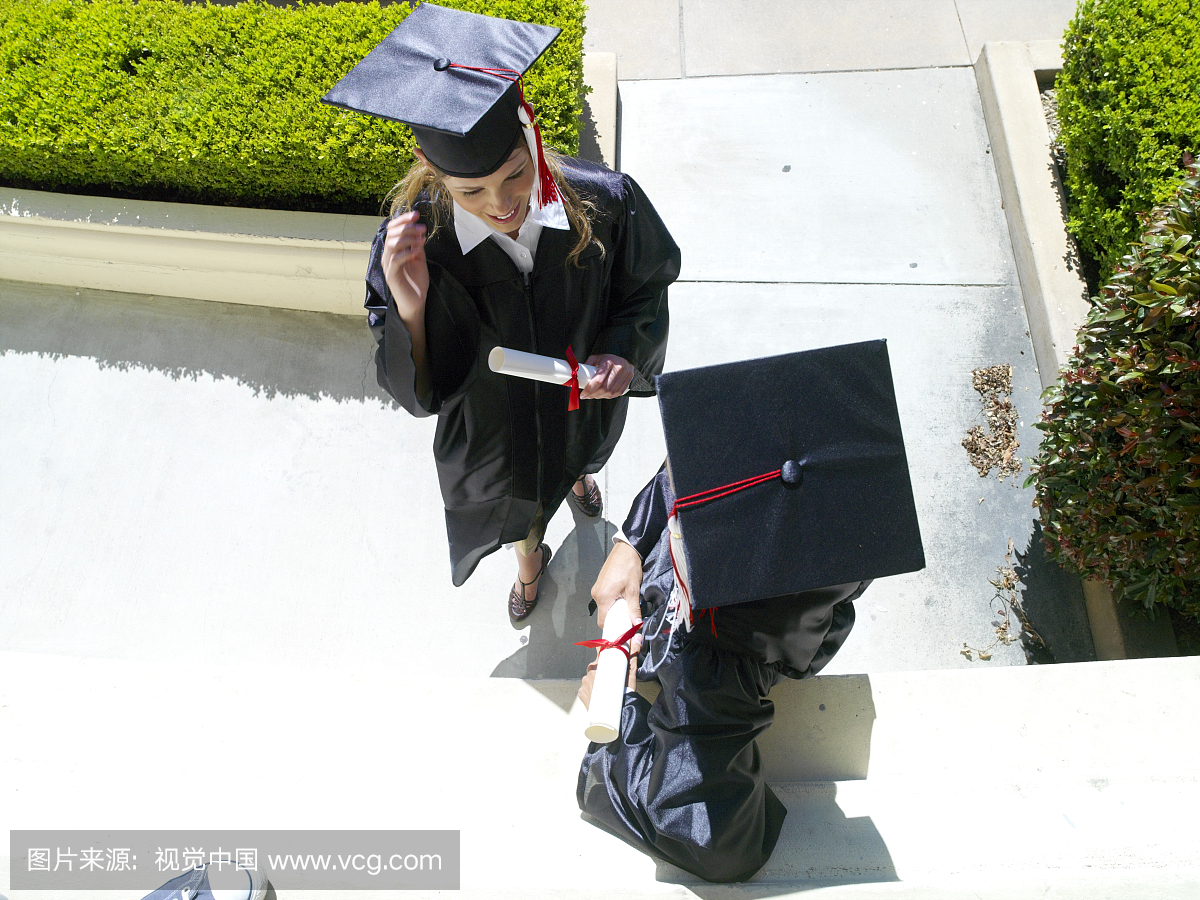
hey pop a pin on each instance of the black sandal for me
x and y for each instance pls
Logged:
(591, 504)
(518, 607)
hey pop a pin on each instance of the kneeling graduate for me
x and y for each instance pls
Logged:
(785, 492)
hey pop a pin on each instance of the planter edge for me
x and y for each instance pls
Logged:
(1009, 74)
(259, 257)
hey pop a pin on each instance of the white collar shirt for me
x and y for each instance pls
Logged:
(473, 231)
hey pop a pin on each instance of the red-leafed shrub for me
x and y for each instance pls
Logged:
(1118, 473)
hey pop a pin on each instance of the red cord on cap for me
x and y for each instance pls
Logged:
(698, 499)
(723, 491)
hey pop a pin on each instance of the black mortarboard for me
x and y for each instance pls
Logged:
(834, 504)
(425, 74)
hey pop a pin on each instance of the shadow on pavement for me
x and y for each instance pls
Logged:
(589, 143)
(818, 847)
(1053, 600)
(561, 617)
(274, 351)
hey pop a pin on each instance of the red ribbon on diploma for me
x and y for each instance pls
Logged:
(573, 403)
(618, 644)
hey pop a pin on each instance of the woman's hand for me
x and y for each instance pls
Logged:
(620, 580)
(613, 377)
(404, 265)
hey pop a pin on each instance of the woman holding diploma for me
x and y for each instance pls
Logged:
(496, 241)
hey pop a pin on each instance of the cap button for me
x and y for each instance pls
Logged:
(790, 472)
(442, 64)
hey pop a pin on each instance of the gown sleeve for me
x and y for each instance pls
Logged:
(839, 630)
(451, 337)
(646, 261)
(648, 515)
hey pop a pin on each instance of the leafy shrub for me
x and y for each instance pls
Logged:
(1118, 473)
(220, 104)
(1129, 104)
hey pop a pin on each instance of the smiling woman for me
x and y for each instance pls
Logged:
(495, 241)
(501, 199)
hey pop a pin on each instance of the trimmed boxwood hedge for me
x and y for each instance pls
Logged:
(1129, 104)
(219, 104)
(1118, 472)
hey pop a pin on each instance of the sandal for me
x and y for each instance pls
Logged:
(518, 607)
(591, 504)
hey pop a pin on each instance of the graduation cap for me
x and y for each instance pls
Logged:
(454, 78)
(789, 474)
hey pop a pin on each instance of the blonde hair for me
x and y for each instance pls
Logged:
(422, 185)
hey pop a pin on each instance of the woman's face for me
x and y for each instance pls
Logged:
(502, 198)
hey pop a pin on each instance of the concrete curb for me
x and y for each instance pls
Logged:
(258, 257)
(1055, 294)
(1009, 74)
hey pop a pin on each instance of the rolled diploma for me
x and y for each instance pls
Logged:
(539, 368)
(608, 689)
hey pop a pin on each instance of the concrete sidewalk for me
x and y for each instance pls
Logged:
(687, 38)
(851, 197)
(233, 475)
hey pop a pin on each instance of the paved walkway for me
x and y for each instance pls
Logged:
(852, 196)
(688, 38)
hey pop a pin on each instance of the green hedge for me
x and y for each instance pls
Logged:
(1129, 104)
(219, 104)
(1118, 472)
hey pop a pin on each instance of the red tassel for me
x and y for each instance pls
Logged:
(723, 491)
(549, 188)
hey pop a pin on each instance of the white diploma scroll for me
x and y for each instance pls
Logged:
(608, 689)
(539, 368)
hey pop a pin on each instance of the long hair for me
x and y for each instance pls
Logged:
(422, 185)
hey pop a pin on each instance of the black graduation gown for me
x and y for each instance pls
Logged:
(683, 780)
(503, 445)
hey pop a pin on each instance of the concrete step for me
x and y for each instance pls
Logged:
(1071, 780)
